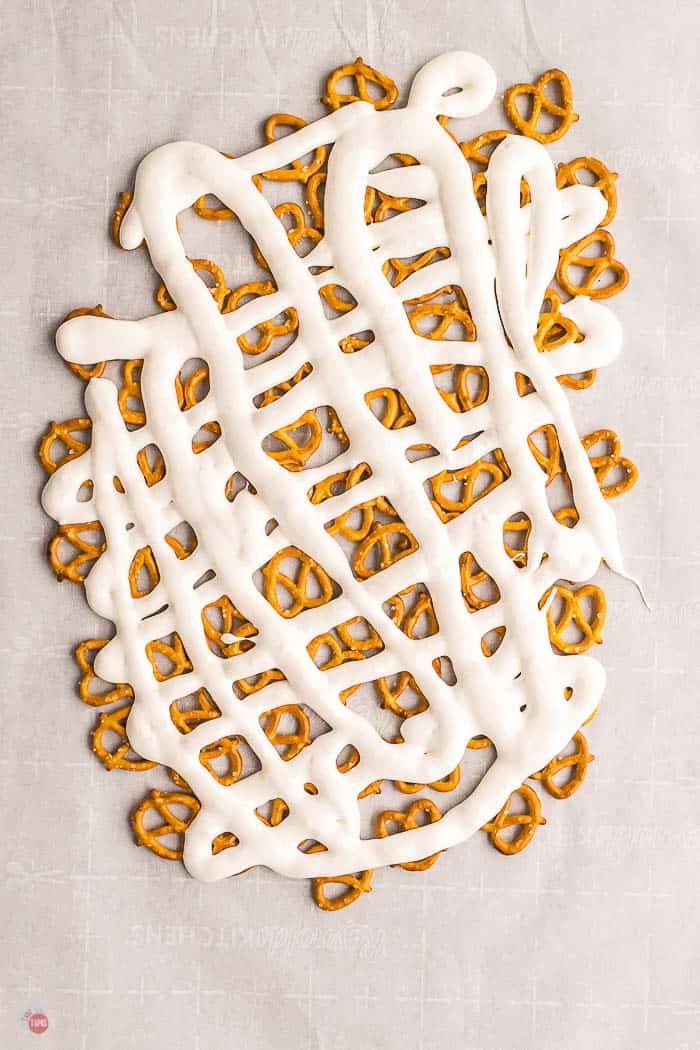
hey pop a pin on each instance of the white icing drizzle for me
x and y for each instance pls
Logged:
(503, 263)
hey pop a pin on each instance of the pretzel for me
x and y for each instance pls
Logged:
(82, 551)
(172, 651)
(84, 655)
(397, 412)
(572, 612)
(473, 576)
(362, 75)
(279, 811)
(408, 821)
(161, 803)
(447, 508)
(297, 233)
(336, 484)
(299, 448)
(130, 392)
(445, 784)
(443, 314)
(219, 291)
(397, 270)
(87, 372)
(412, 616)
(296, 587)
(460, 397)
(594, 266)
(343, 645)
(296, 171)
(578, 762)
(232, 623)
(267, 330)
(70, 435)
(539, 101)
(379, 543)
(603, 180)
(116, 757)
(357, 885)
(227, 749)
(608, 461)
(526, 823)
(293, 741)
(125, 199)
(188, 718)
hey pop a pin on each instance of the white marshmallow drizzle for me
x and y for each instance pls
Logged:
(503, 263)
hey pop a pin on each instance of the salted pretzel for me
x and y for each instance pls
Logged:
(540, 102)
(577, 763)
(526, 823)
(408, 821)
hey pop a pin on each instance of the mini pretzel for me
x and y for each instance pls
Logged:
(226, 748)
(517, 529)
(116, 757)
(87, 371)
(447, 783)
(298, 232)
(143, 562)
(379, 543)
(397, 412)
(296, 587)
(343, 645)
(85, 551)
(526, 823)
(292, 741)
(336, 484)
(539, 102)
(476, 149)
(397, 270)
(232, 622)
(267, 330)
(302, 439)
(594, 266)
(610, 460)
(573, 612)
(460, 398)
(604, 180)
(550, 460)
(409, 616)
(193, 389)
(577, 762)
(130, 392)
(297, 171)
(357, 885)
(84, 655)
(279, 811)
(218, 292)
(362, 75)
(188, 719)
(172, 651)
(444, 315)
(161, 803)
(125, 199)
(153, 469)
(408, 821)
(473, 576)
(447, 508)
(70, 435)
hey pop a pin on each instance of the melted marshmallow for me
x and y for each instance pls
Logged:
(503, 263)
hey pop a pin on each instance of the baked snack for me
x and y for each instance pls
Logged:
(339, 512)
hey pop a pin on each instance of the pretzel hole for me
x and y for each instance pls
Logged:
(182, 539)
(188, 712)
(311, 846)
(357, 341)
(85, 492)
(229, 760)
(127, 377)
(192, 383)
(347, 758)
(560, 493)
(444, 669)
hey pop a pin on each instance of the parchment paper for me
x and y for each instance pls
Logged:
(590, 937)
